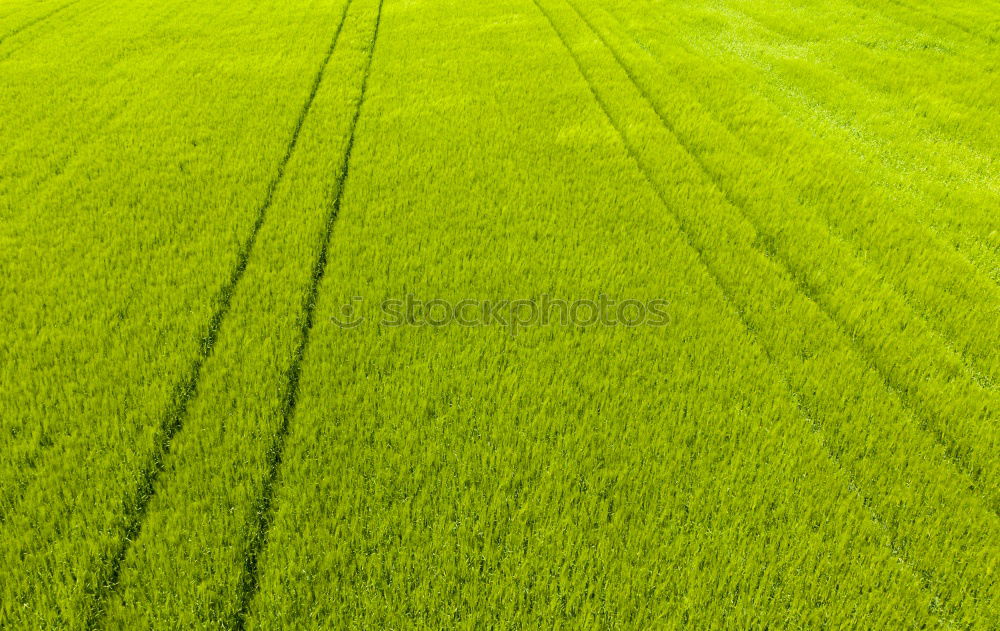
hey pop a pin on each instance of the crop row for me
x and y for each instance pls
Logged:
(223, 465)
(459, 477)
(810, 440)
(118, 261)
(799, 230)
(903, 475)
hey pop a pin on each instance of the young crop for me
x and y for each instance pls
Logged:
(273, 355)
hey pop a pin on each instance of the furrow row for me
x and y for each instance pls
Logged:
(844, 427)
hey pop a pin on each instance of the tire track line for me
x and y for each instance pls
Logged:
(939, 235)
(867, 137)
(925, 417)
(932, 17)
(92, 35)
(933, 234)
(23, 27)
(739, 311)
(250, 579)
(849, 245)
(137, 506)
(62, 162)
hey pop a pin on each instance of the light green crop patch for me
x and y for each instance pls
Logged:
(279, 346)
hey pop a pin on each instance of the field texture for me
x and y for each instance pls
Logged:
(206, 420)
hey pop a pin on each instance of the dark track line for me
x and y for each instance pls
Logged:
(63, 161)
(789, 35)
(83, 13)
(915, 408)
(941, 240)
(250, 579)
(739, 311)
(137, 506)
(932, 17)
(17, 30)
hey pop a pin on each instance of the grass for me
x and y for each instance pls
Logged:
(190, 193)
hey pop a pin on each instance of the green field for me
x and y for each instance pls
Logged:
(275, 279)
